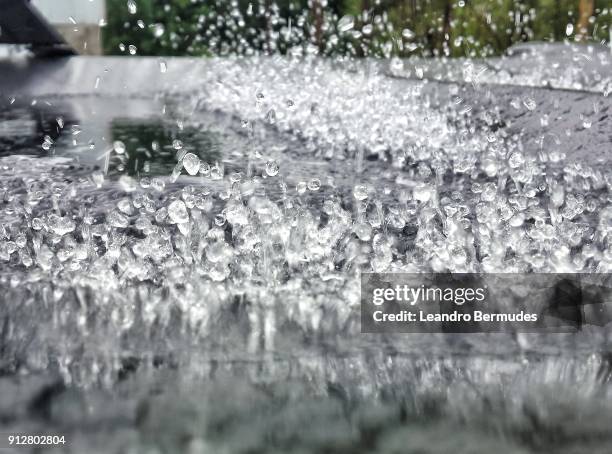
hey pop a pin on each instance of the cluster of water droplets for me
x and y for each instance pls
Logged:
(403, 181)
(566, 65)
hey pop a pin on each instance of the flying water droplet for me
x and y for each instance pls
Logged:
(158, 184)
(132, 7)
(125, 206)
(408, 34)
(191, 163)
(158, 30)
(176, 172)
(360, 192)
(271, 116)
(178, 212)
(314, 184)
(47, 143)
(98, 178)
(116, 219)
(516, 159)
(60, 225)
(586, 122)
(422, 193)
(489, 192)
(529, 103)
(220, 219)
(363, 230)
(37, 224)
(272, 168)
(346, 23)
(216, 172)
(119, 147)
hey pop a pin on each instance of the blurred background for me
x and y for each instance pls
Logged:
(357, 28)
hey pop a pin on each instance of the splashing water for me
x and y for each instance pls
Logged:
(247, 264)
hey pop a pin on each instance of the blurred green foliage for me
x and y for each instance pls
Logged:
(347, 27)
(157, 27)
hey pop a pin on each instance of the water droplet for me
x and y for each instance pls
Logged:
(125, 206)
(60, 225)
(569, 29)
(216, 172)
(272, 168)
(176, 171)
(363, 230)
(158, 184)
(422, 192)
(360, 192)
(37, 224)
(314, 184)
(158, 30)
(346, 23)
(587, 123)
(98, 178)
(178, 212)
(458, 255)
(220, 219)
(490, 167)
(177, 144)
(191, 163)
(271, 116)
(408, 34)
(116, 219)
(163, 66)
(21, 240)
(133, 49)
(132, 7)
(529, 103)
(516, 159)
(119, 147)
(489, 192)
(47, 143)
